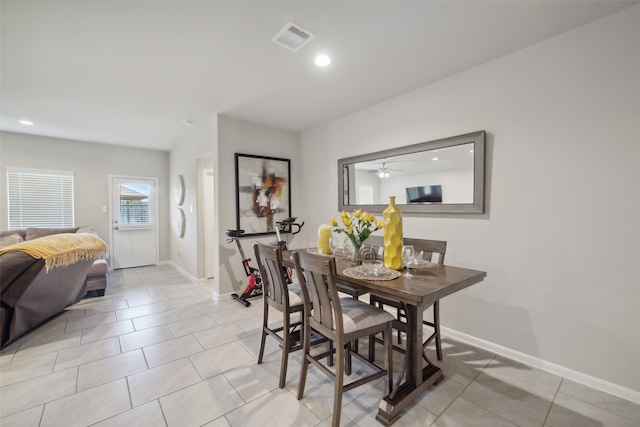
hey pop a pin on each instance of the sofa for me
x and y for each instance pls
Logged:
(35, 288)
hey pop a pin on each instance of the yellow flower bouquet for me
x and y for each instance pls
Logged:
(357, 226)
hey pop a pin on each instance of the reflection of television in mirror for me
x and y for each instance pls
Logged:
(425, 194)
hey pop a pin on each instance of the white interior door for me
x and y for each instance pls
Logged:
(133, 222)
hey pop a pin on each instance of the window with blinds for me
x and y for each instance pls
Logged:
(38, 198)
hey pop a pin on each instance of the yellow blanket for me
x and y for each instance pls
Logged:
(62, 249)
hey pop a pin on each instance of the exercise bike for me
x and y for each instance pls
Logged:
(254, 286)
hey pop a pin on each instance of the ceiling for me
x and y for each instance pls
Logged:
(130, 72)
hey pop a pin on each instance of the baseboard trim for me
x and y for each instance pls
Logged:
(579, 377)
(189, 276)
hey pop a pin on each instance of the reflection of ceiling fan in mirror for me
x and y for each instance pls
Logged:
(384, 171)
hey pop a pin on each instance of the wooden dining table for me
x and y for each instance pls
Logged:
(417, 293)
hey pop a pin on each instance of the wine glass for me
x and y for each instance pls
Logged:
(407, 257)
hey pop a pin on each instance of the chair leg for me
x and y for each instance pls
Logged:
(347, 359)
(436, 327)
(306, 348)
(339, 379)
(265, 322)
(285, 350)
(372, 348)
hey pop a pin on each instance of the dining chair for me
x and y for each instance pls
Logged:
(285, 298)
(429, 248)
(341, 320)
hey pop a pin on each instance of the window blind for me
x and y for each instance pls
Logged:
(38, 198)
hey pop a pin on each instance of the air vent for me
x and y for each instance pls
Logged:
(293, 37)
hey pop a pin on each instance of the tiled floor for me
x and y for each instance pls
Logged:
(158, 351)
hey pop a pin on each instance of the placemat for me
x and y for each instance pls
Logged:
(358, 272)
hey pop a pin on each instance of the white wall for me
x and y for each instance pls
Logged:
(237, 136)
(92, 164)
(201, 142)
(560, 238)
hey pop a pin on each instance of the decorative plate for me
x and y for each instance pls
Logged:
(359, 272)
(179, 190)
(180, 222)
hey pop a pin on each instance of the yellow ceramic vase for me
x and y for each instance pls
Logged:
(324, 239)
(392, 217)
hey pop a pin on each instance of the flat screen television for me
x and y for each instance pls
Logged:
(425, 194)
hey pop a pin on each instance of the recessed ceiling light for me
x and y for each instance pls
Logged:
(323, 61)
(435, 159)
(26, 122)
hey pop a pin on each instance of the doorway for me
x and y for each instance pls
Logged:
(134, 230)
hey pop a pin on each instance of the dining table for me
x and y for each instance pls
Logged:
(416, 293)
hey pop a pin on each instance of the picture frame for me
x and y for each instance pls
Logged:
(263, 193)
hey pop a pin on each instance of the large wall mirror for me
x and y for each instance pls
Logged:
(442, 176)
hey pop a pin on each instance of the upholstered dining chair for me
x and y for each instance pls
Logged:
(430, 249)
(287, 299)
(341, 320)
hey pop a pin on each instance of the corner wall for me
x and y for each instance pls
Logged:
(238, 136)
(560, 238)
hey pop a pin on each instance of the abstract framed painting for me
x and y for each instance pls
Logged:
(263, 193)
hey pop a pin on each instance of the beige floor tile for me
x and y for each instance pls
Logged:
(152, 320)
(191, 325)
(197, 309)
(145, 337)
(220, 359)
(162, 380)
(461, 362)
(510, 402)
(86, 353)
(252, 380)
(319, 392)
(27, 394)
(139, 311)
(174, 303)
(148, 415)
(568, 411)
(29, 418)
(251, 343)
(106, 331)
(105, 307)
(200, 403)
(48, 345)
(251, 325)
(534, 380)
(173, 349)
(90, 321)
(88, 407)
(463, 413)
(219, 335)
(25, 369)
(363, 409)
(438, 397)
(110, 369)
(611, 403)
(219, 422)
(276, 409)
(173, 293)
(144, 300)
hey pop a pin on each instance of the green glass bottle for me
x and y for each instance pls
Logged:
(392, 217)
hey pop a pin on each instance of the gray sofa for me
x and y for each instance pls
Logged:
(30, 294)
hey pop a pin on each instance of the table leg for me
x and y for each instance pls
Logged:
(416, 378)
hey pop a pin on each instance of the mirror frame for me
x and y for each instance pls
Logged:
(477, 138)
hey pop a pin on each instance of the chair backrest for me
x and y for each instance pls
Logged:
(274, 282)
(316, 274)
(429, 247)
